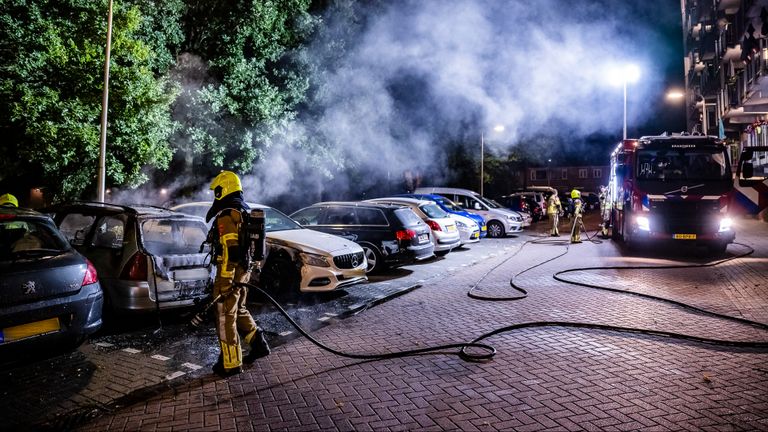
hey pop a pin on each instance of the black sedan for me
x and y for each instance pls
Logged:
(50, 295)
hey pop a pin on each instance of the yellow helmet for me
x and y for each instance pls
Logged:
(8, 200)
(575, 194)
(225, 183)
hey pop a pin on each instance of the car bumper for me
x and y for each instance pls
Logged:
(513, 226)
(446, 241)
(322, 279)
(136, 296)
(60, 320)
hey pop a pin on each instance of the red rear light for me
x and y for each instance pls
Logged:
(91, 277)
(7, 216)
(136, 268)
(405, 234)
(433, 225)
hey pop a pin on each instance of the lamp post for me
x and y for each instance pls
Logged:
(624, 75)
(103, 138)
(497, 128)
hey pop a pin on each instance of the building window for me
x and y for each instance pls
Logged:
(538, 174)
(564, 174)
(597, 173)
(582, 173)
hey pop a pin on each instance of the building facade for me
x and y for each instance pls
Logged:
(726, 75)
(586, 178)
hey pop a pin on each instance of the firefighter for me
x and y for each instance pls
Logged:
(232, 317)
(577, 223)
(8, 200)
(553, 211)
(605, 211)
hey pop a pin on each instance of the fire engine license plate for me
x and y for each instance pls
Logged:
(423, 238)
(684, 236)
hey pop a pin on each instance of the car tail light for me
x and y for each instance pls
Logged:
(433, 225)
(136, 268)
(406, 234)
(91, 277)
(7, 216)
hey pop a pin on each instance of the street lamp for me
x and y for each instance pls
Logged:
(497, 128)
(105, 97)
(627, 74)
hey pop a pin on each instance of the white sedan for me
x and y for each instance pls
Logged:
(300, 259)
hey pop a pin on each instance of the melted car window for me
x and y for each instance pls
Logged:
(173, 236)
(433, 211)
(75, 227)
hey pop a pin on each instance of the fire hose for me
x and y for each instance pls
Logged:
(475, 351)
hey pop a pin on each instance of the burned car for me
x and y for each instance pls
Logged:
(148, 258)
(298, 259)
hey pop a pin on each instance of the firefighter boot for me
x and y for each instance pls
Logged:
(259, 347)
(218, 368)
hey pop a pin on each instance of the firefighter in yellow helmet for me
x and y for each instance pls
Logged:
(577, 222)
(553, 211)
(232, 317)
(8, 200)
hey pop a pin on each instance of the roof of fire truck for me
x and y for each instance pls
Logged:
(684, 139)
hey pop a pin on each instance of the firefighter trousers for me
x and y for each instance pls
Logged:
(232, 317)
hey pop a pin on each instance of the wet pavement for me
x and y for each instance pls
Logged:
(542, 378)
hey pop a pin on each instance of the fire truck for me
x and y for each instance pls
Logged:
(675, 188)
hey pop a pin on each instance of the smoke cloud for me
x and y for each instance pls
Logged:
(412, 77)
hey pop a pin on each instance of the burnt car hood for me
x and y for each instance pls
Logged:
(311, 241)
(29, 280)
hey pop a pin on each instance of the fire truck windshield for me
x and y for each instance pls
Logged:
(682, 164)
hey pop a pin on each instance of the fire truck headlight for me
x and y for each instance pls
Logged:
(643, 223)
(725, 224)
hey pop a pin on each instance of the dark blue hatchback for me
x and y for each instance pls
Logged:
(50, 293)
(451, 207)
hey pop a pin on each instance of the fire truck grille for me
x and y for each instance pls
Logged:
(348, 261)
(695, 217)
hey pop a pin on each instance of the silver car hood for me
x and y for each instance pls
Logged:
(315, 242)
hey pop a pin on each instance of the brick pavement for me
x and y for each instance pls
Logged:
(541, 379)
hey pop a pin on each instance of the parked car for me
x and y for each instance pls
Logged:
(591, 201)
(524, 216)
(299, 259)
(522, 204)
(500, 222)
(391, 235)
(50, 294)
(445, 231)
(452, 208)
(148, 258)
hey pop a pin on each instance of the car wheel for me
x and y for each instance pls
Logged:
(374, 258)
(495, 229)
(280, 276)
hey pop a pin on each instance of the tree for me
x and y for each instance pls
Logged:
(241, 77)
(52, 56)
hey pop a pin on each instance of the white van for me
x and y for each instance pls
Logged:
(500, 222)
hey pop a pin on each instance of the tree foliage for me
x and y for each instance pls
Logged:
(52, 55)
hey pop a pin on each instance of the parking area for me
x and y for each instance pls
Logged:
(548, 377)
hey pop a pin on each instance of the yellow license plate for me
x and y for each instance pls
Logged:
(684, 236)
(484, 228)
(451, 228)
(24, 331)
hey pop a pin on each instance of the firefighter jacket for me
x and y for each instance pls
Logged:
(553, 204)
(228, 247)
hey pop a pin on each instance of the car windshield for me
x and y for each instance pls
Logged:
(166, 236)
(277, 221)
(433, 210)
(450, 205)
(492, 204)
(30, 237)
(682, 164)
